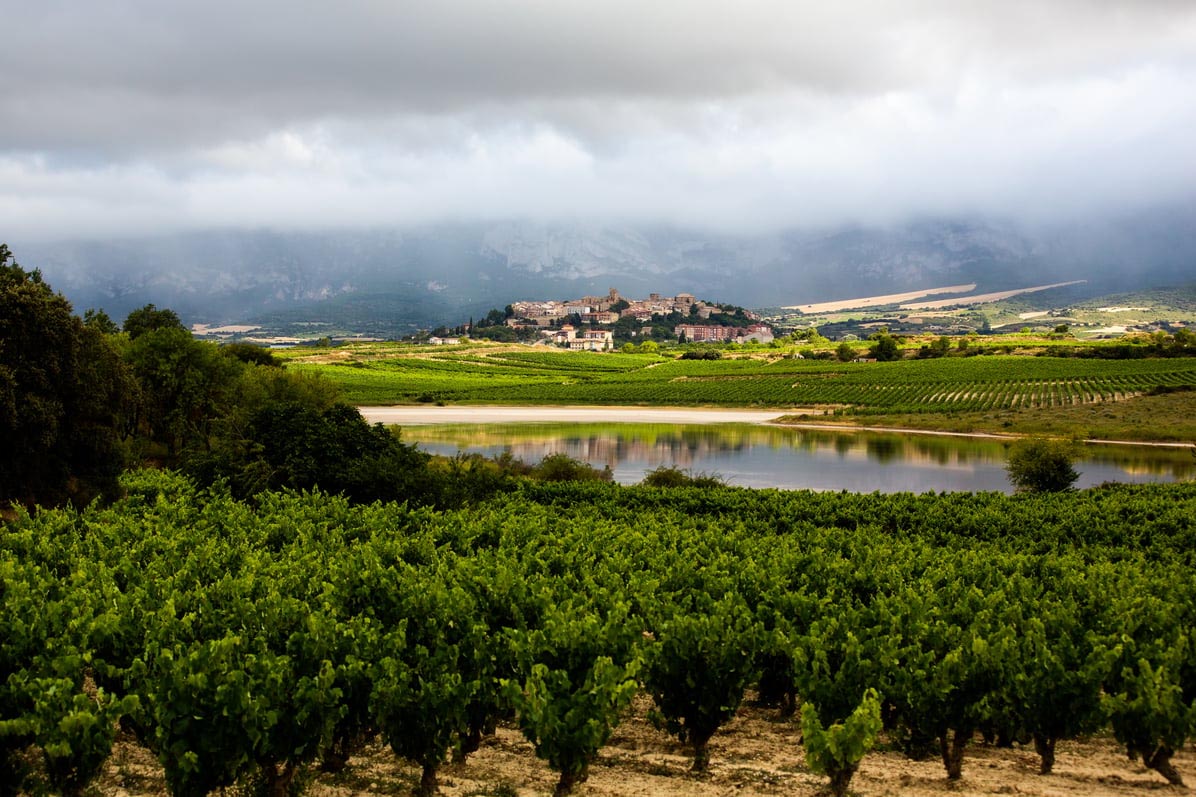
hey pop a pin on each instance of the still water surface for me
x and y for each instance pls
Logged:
(766, 456)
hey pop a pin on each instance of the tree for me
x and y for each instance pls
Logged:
(845, 352)
(884, 348)
(186, 384)
(1039, 465)
(938, 348)
(100, 321)
(300, 445)
(64, 396)
(149, 318)
(251, 354)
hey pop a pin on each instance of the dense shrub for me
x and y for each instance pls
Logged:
(563, 468)
(666, 476)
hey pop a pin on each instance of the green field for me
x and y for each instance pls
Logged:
(392, 374)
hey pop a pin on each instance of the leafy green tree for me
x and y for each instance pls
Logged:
(845, 352)
(64, 396)
(100, 321)
(500, 333)
(884, 348)
(150, 318)
(1183, 340)
(251, 354)
(186, 384)
(337, 451)
(938, 348)
(1040, 465)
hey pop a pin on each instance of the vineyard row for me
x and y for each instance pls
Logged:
(241, 640)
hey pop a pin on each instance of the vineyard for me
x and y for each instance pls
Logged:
(914, 386)
(247, 644)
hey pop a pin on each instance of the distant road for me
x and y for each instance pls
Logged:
(426, 414)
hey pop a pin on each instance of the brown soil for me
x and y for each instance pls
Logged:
(757, 754)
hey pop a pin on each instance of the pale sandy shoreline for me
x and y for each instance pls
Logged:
(426, 415)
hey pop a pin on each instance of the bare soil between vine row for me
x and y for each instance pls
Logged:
(756, 754)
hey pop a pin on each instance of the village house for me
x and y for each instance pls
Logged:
(703, 333)
(756, 333)
(638, 313)
(593, 340)
(600, 317)
(583, 340)
(596, 311)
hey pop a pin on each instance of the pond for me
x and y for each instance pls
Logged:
(749, 455)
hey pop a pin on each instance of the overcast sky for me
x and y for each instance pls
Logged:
(130, 116)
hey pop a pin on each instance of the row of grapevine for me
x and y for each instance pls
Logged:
(953, 384)
(243, 642)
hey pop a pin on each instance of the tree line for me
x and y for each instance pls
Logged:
(82, 399)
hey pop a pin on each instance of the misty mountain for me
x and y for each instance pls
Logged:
(388, 281)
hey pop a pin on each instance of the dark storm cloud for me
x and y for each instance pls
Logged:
(143, 112)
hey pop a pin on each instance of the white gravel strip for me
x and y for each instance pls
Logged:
(423, 415)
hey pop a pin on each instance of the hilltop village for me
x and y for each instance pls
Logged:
(599, 323)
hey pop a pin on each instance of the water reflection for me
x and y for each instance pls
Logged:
(769, 456)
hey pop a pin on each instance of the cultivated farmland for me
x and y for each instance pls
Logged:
(393, 375)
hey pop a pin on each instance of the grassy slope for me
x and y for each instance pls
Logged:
(1165, 418)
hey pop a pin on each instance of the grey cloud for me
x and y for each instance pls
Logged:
(149, 114)
(134, 73)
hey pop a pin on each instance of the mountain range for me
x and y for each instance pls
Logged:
(393, 281)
